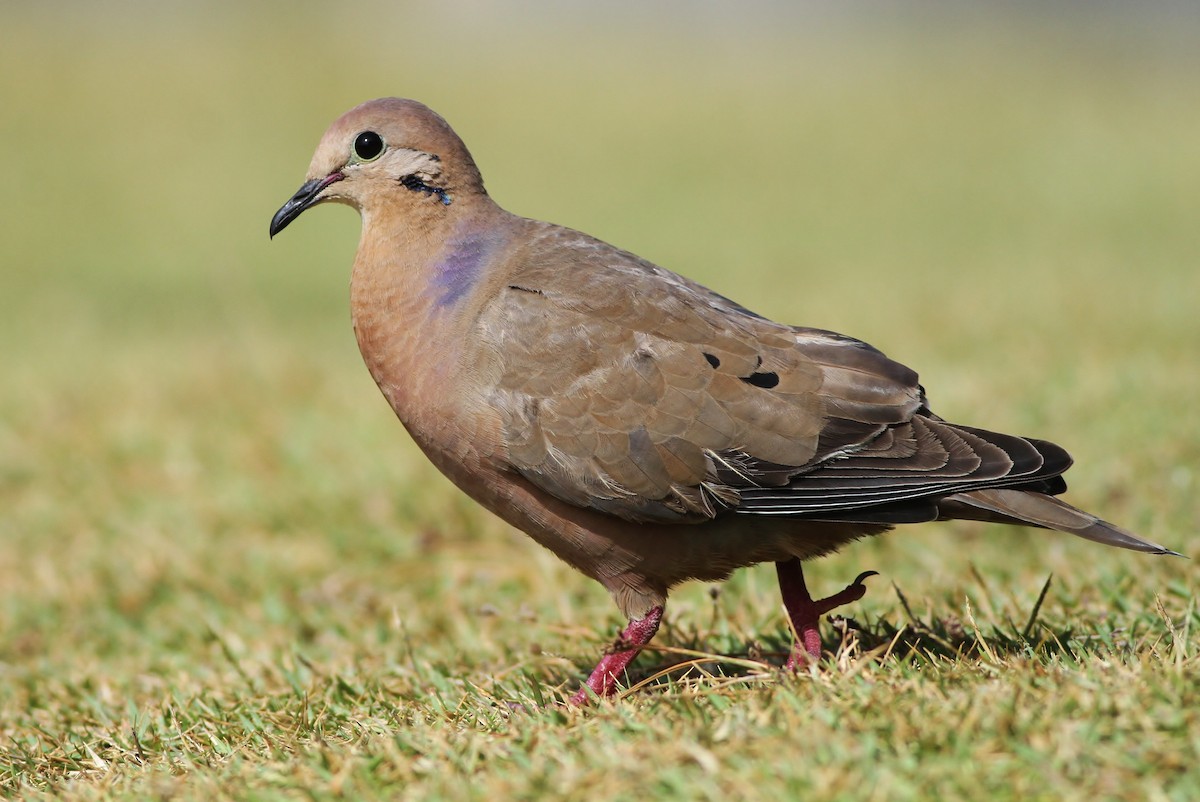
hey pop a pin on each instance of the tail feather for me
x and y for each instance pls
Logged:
(1031, 508)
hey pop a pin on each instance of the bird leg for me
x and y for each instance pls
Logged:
(806, 613)
(603, 681)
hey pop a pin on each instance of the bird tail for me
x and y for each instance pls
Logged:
(1036, 509)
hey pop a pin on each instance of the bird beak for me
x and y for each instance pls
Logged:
(309, 194)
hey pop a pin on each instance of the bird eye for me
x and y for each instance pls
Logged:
(368, 145)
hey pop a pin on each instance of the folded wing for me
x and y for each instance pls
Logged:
(628, 389)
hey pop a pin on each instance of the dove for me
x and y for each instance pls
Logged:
(645, 429)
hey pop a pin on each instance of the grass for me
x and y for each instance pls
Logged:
(225, 573)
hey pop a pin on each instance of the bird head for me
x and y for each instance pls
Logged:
(383, 152)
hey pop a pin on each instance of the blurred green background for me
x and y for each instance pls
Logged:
(1003, 197)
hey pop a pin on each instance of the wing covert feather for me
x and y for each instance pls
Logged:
(627, 388)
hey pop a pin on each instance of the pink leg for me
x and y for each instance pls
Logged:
(806, 613)
(603, 680)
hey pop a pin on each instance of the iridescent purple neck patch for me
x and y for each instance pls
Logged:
(459, 269)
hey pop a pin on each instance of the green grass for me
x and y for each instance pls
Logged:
(225, 572)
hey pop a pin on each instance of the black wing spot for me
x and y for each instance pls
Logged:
(712, 360)
(763, 380)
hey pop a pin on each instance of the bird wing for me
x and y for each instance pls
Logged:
(629, 389)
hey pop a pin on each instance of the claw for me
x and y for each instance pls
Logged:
(858, 580)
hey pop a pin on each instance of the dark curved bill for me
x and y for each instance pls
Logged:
(308, 194)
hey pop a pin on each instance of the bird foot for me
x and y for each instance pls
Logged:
(603, 679)
(805, 612)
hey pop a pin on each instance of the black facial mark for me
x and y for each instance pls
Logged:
(417, 185)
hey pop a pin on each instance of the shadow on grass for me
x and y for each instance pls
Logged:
(915, 641)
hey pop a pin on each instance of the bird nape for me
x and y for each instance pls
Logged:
(642, 427)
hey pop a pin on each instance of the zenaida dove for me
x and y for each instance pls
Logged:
(642, 427)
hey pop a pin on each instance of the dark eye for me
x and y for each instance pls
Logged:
(368, 145)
